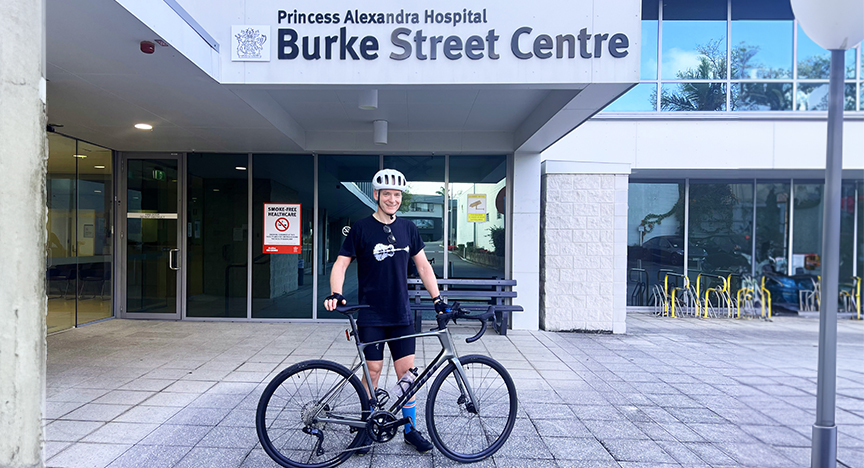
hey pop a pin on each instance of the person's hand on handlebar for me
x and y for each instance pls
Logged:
(440, 305)
(333, 300)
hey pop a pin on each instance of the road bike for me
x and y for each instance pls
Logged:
(316, 413)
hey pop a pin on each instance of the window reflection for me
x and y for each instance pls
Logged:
(683, 97)
(807, 229)
(281, 282)
(814, 96)
(761, 96)
(655, 237)
(860, 241)
(772, 227)
(814, 62)
(648, 66)
(721, 226)
(694, 50)
(62, 268)
(762, 50)
(476, 234)
(847, 231)
(641, 98)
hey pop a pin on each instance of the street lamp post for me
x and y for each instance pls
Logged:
(836, 25)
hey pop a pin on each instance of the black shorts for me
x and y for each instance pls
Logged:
(398, 348)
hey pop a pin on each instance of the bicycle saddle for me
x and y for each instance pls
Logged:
(350, 309)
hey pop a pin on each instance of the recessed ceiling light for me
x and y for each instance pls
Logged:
(98, 167)
(240, 168)
(143, 126)
(80, 156)
(97, 191)
(215, 189)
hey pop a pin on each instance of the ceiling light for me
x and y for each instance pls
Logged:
(143, 126)
(215, 189)
(98, 167)
(379, 132)
(79, 156)
(368, 99)
(97, 191)
(240, 168)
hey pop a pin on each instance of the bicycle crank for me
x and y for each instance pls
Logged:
(383, 426)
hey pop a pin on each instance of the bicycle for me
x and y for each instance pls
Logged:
(316, 413)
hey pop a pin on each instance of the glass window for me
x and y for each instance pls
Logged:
(217, 235)
(762, 50)
(807, 228)
(423, 203)
(689, 10)
(814, 62)
(477, 235)
(62, 267)
(847, 232)
(683, 97)
(648, 65)
(650, 9)
(721, 228)
(694, 50)
(655, 237)
(860, 240)
(640, 98)
(762, 10)
(95, 216)
(282, 282)
(772, 227)
(761, 96)
(344, 197)
(814, 96)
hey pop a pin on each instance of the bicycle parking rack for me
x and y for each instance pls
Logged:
(753, 296)
(810, 300)
(852, 298)
(640, 291)
(721, 293)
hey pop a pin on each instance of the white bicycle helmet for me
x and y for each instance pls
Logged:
(389, 179)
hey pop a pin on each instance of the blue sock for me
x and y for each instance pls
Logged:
(410, 411)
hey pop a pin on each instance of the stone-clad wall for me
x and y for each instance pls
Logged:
(583, 252)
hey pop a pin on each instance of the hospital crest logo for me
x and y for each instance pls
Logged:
(250, 43)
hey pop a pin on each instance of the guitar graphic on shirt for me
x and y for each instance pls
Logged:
(382, 251)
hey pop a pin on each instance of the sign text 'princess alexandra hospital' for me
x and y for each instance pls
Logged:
(426, 35)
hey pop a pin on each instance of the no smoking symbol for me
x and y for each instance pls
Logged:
(282, 224)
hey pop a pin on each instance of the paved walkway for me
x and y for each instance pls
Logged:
(672, 392)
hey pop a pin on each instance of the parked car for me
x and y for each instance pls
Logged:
(664, 250)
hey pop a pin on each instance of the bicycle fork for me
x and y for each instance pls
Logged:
(467, 397)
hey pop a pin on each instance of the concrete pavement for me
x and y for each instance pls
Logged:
(672, 392)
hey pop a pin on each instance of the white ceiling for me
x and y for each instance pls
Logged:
(100, 85)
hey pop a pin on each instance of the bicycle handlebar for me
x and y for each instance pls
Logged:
(458, 313)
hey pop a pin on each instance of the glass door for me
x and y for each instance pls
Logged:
(151, 238)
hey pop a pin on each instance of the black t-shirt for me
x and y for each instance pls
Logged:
(382, 269)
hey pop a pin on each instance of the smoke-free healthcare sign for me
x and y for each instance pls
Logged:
(282, 234)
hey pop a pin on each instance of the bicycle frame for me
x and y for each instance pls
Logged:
(447, 354)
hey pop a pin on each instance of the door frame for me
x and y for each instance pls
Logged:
(120, 238)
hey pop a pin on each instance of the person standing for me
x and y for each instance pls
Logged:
(383, 244)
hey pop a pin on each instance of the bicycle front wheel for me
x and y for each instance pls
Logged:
(290, 409)
(467, 432)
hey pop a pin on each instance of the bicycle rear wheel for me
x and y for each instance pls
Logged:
(289, 409)
(467, 434)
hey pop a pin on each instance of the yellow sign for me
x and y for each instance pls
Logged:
(477, 208)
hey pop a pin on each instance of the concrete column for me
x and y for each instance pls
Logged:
(583, 246)
(526, 238)
(23, 303)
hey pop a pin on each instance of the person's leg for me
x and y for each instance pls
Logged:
(403, 360)
(375, 362)
(402, 366)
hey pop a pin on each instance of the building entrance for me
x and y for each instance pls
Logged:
(151, 238)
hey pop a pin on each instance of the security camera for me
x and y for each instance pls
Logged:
(148, 47)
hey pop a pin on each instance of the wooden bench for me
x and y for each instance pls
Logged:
(473, 294)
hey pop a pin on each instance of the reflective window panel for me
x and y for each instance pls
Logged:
(847, 232)
(648, 66)
(721, 229)
(814, 96)
(423, 203)
(95, 217)
(860, 240)
(814, 62)
(761, 96)
(282, 282)
(61, 273)
(655, 238)
(640, 98)
(344, 197)
(762, 50)
(694, 40)
(477, 216)
(691, 97)
(772, 227)
(807, 228)
(217, 235)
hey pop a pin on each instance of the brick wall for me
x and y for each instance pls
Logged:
(583, 252)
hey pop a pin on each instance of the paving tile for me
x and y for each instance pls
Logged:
(120, 433)
(578, 448)
(190, 386)
(561, 428)
(148, 414)
(148, 385)
(615, 430)
(70, 431)
(199, 416)
(83, 455)
(150, 457)
(170, 399)
(78, 395)
(174, 435)
(96, 412)
(213, 457)
(58, 409)
(230, 437)
(53, 448)
(757, 455)
(123, 397)
(637, 450)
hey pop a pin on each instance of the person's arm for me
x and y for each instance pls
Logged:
(337, 280)
(427, 275)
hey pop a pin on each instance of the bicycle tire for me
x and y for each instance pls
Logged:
(459, 434)
(297, 389)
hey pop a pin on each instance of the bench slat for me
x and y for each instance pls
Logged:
(419, 292)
